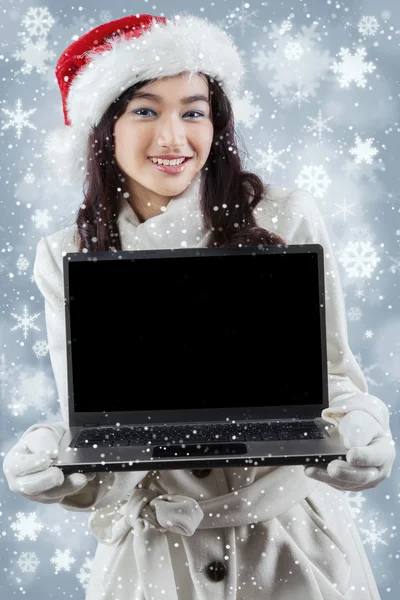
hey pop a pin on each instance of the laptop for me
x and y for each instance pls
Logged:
(196, 358)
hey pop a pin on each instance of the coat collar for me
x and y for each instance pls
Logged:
(179, 226)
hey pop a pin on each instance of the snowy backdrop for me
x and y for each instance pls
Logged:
(321, 111)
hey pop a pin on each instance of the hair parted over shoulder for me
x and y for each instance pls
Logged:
(223, 183)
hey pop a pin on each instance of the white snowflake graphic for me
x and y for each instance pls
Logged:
(293, 51)
(40, 348)
(285, 26)
(352, 67)
(318, 125)
(105, 16)
(373, 536)
(359, 259)
(38, 21)
(269, 159)
(25, 322)
(26, 526)
(28, 562)
(245, 111)
(355, 501)
(363, 150)
(19, 118)
(354, 313)
(299, 96)
(29, 178)
(41, 218)
(314, 179)
(84, 572)
(34, 55)
(344, 210)
(22, 263)
(239, 17)
(62, 560)
(289, 71)
(368, 26)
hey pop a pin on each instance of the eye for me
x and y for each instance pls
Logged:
(138, 110)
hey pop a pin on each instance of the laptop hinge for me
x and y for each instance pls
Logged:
(90, 424)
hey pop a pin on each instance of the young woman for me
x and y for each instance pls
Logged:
(135, 89)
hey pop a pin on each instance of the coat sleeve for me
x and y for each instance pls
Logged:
(106, 489)
(348, 388)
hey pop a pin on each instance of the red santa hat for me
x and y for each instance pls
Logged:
(96, 69)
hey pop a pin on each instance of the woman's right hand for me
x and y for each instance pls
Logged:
(28, 470)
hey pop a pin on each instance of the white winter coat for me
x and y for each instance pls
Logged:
(272, 532)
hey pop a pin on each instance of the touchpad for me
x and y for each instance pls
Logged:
(199, 450)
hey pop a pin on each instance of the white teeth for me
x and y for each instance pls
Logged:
(159, 161)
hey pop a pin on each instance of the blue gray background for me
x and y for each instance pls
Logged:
(320, 110)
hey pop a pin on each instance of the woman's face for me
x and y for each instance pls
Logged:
(151, 127)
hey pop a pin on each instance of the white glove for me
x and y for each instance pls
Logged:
(369, 460)
(28, 471)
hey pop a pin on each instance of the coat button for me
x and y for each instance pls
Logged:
(216, 571)
(200, 473)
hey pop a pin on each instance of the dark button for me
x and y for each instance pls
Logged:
(200, 473)
(216, 571)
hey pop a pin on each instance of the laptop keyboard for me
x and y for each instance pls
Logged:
(181, 434)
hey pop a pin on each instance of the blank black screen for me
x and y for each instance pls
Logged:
(195, 332)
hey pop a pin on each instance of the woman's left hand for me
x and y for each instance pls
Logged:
(369, 459)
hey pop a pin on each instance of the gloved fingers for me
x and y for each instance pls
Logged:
(342, 472)
(359, 428)
(41, 439)
(378, 453)
(320, 474)
(71, 485)
(21, 462)
(37, 483)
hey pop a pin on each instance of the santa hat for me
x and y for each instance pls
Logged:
(98, 67)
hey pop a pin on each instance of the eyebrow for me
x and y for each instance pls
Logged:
(159, 100)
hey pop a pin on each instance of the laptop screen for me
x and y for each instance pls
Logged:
(195, 332)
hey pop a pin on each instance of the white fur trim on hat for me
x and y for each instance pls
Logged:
(184, 44)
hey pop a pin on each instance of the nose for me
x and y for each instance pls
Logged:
(171, 133)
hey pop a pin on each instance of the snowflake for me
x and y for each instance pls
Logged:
(354, 313)
(319, 125)
(18, 118)
(314, 179)
(373, 537)
(84, 572)
(62, 560)
(344, 210)
(34, 55)
(31, 391)
(354, 502)
(270, 159)
(40, 348)
(29, 178)
(105, 16)
(293, 51)
(38, 21)
(352, 68)
(239, 17)
(368, 25)
(299, 96)
(25, 322)
(28, 562)
(26, 526)
(41, 218)
(366, 371)
(22, 263)
(287, 73)
(396, 264)
(363, 151)
(359, 259)
(285, 27)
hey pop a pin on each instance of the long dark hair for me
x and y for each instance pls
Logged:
(223, 183)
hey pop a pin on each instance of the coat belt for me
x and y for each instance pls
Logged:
(147, 515)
